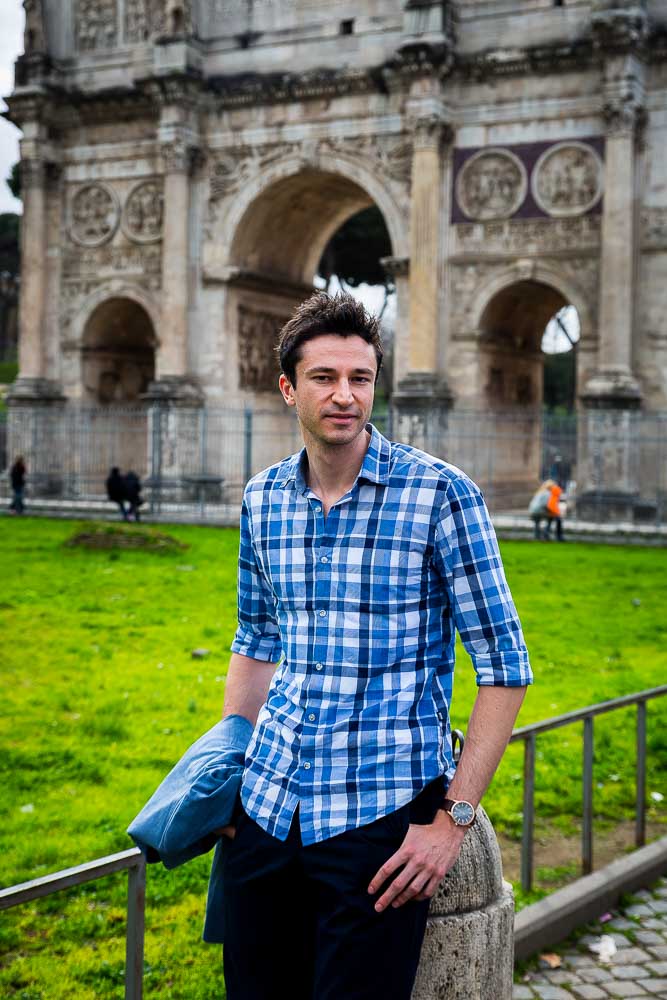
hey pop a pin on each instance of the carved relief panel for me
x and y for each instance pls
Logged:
(258, 332)
(491, 185)
(94, 215)
(528, 181)
(143, 212)
(567, 179)
(96, 24)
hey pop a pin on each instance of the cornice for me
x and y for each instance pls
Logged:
(68, 106)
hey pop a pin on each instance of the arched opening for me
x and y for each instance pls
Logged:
(512, 332)
(118, 352)
(278, 250)
(283, 234)
(528, 333)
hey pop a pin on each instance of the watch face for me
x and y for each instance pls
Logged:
(462, 813)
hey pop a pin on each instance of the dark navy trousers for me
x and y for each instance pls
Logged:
(299, 920)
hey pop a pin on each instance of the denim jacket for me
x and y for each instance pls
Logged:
(196, 798)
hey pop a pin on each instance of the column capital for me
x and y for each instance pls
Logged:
(431, 131)
(624, 118)
(180, 156)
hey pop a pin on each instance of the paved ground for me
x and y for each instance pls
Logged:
(637, 969)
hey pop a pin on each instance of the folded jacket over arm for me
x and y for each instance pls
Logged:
(195, 799)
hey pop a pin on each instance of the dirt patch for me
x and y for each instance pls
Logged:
(137, 538)
(558, 853)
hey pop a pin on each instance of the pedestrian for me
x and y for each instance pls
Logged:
(538, 509)
(116, 490)
(17, 475)
(555, 509)
(358, 559)
(132, 485)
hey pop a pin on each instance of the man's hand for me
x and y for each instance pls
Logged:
(425, 856)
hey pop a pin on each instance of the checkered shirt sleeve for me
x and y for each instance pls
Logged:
(483, 609)
(257, 634)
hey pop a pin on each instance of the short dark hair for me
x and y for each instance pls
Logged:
(322, 313)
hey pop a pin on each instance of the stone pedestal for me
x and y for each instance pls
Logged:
(174, 438)
(608, 459)
(421, 404)
(468, 950)
(34, 432)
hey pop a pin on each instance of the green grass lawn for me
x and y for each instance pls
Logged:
(100, 696)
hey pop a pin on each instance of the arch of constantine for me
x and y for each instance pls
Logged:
(184, 164)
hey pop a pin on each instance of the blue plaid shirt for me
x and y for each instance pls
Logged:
(361, 608)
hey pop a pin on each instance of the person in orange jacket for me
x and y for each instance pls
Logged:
(553, 509)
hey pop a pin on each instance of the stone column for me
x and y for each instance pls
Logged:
(609, 486)
(172, 358)
(468, 948)
(174, 398)
(624, 117)
(422, 398)
(33, 275)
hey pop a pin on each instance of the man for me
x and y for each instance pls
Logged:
(358, 560)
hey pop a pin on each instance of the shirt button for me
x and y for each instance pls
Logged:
(307, 766)
(318, 510)
(323, 613)
(311, 717)
(319, 666)
(324, 559)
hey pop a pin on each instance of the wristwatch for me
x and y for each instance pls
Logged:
(462, 813)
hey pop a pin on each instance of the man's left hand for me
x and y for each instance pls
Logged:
(425, 856)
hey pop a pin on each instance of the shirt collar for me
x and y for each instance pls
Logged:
(374, 468)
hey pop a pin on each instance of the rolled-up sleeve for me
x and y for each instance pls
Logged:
(257, 634)
(484, 613)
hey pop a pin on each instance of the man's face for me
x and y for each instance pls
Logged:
(335, 385)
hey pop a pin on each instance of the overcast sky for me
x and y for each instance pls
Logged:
(11, 46)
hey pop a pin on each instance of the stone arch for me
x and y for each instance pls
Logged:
(274, 232)
(117, 343)
(114, 290)
(319, 179)
(535, 271)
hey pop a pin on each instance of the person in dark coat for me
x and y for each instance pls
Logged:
(133, 494)
(116, 490)
(17, 476)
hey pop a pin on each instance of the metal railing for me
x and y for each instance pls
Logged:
(133, 861)
(585, 715)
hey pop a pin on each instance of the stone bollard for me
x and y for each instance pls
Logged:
(468, 950)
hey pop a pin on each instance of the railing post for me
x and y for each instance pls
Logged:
(587, 820)
(134, 946)
(640, 811)
(528, 812)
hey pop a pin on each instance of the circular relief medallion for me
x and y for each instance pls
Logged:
(567, 179)
(142, 215)
(94, 215)
(492, 184)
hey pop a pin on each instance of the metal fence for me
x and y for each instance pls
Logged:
(195, 461)
(133, 861)
(587, 716)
